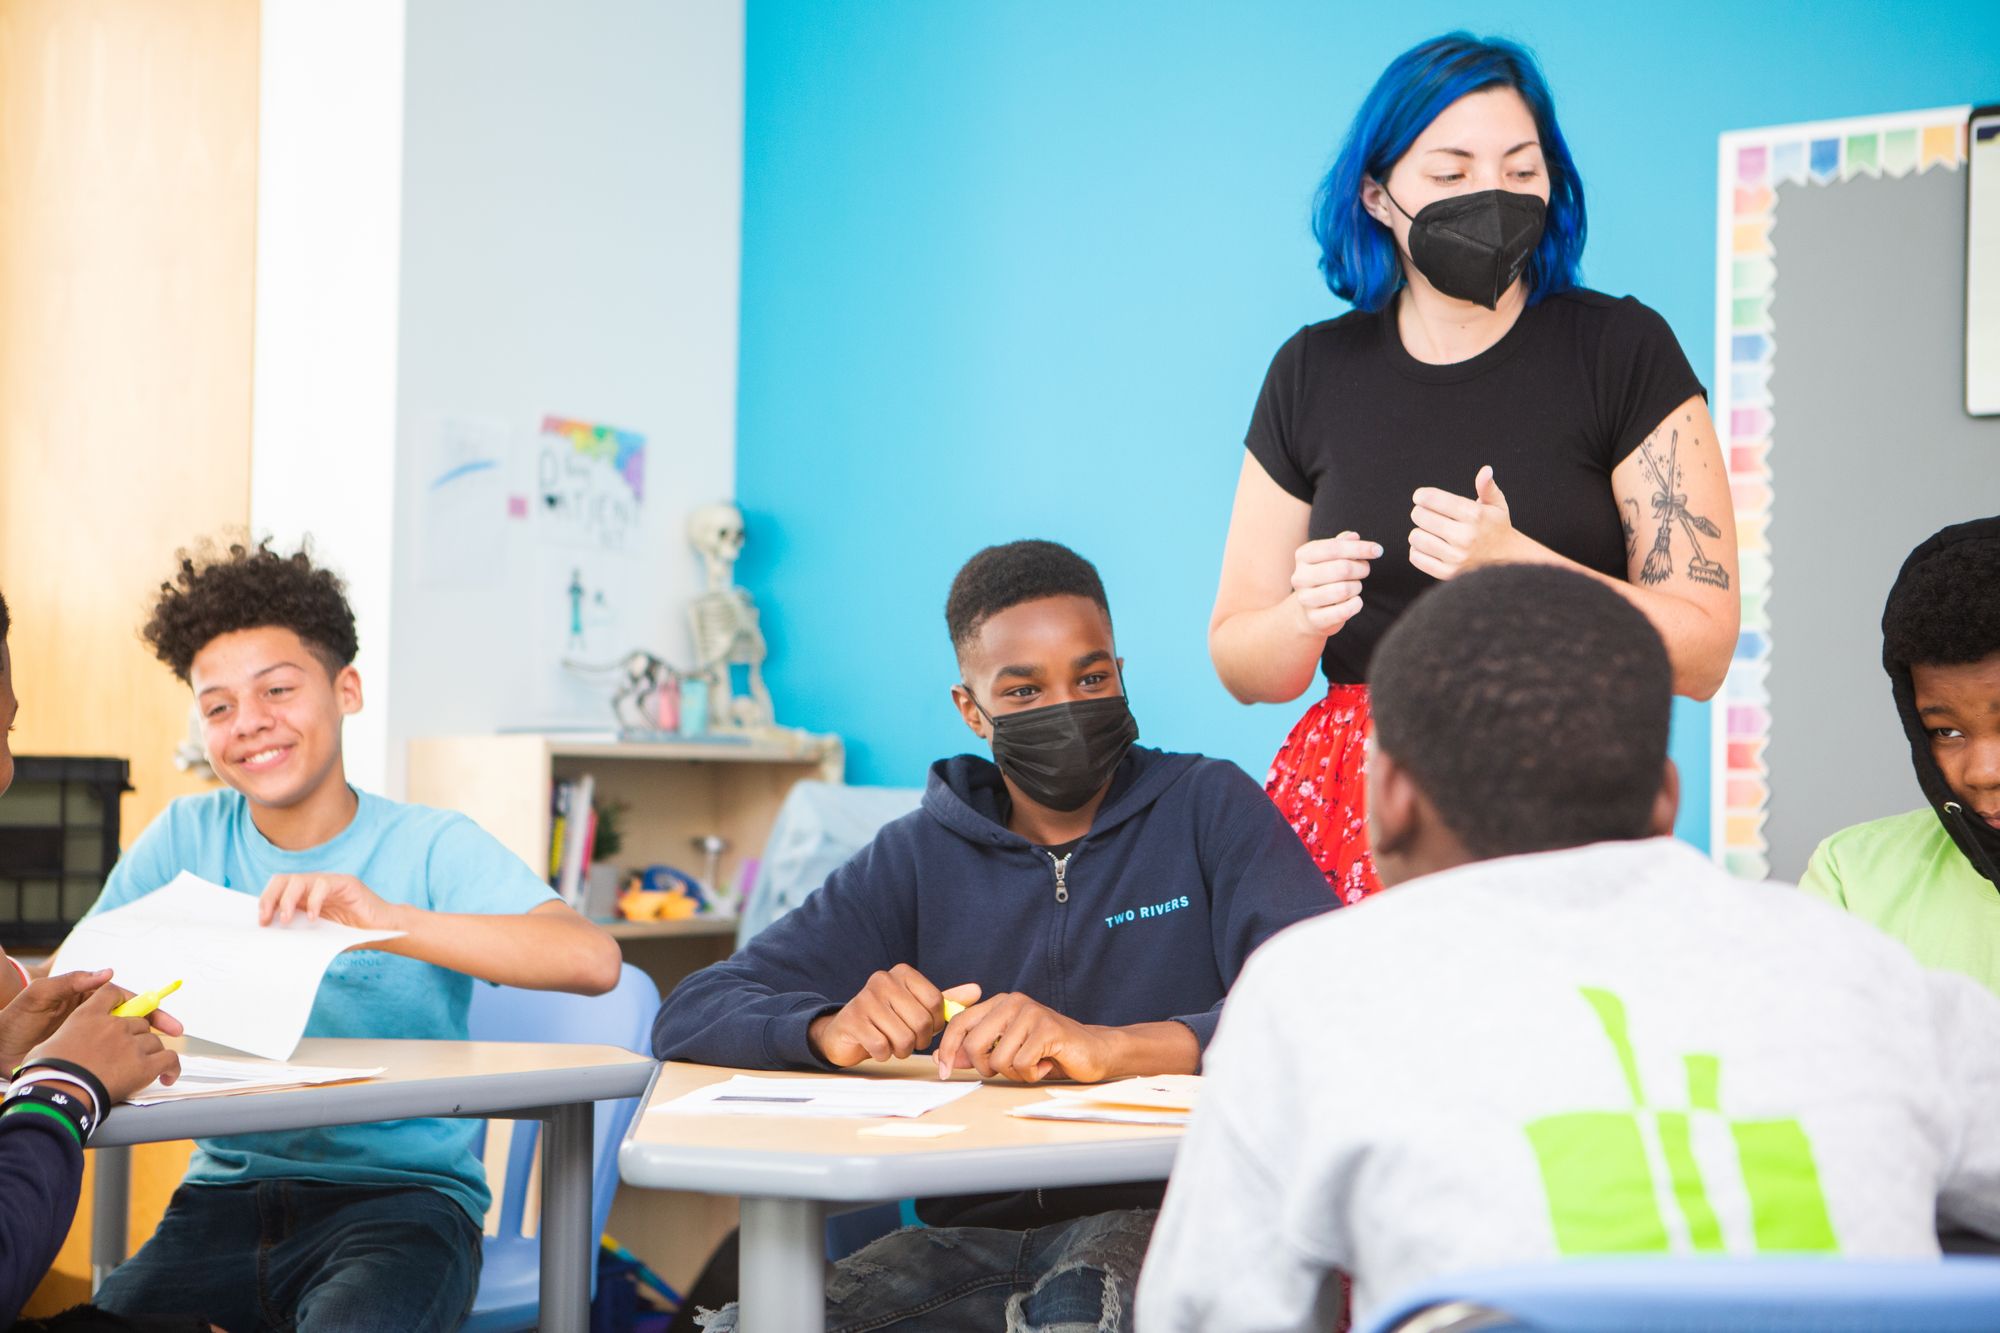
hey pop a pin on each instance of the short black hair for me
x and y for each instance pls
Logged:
(219, 590)
(1008, 575)
(1530, 704)
(1945, 609)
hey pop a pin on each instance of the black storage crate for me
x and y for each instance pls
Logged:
(58, 842)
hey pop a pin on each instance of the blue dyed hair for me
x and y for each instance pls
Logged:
(1357, 253)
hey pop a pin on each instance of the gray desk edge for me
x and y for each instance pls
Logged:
(861, 1177)
(361, 1103)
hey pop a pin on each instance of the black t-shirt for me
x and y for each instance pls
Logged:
(1352, 424)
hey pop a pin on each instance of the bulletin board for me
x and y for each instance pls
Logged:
(1839, 392)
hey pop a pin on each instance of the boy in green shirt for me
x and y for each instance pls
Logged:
(1931, 877)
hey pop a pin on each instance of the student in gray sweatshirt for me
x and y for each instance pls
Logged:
(1584, 1037)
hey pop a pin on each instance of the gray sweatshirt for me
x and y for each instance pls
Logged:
(1609, 1049)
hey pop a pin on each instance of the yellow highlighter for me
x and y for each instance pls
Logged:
(952, 1009)
(141, 1005)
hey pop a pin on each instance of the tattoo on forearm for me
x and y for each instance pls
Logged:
(1670, 507)
(1628, 517)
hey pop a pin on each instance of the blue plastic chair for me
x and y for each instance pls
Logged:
(1953, 1295)
(511, 1281)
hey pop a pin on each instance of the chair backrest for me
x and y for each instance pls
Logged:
(1956, 1294)
(819, 825)
(621, 1017)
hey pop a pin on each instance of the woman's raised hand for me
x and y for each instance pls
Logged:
(1326, 581)
(1454, 534)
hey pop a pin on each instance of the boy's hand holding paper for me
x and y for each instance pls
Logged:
(341, 899)
(249, 986)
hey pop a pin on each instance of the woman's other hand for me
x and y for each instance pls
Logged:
(1326, 581)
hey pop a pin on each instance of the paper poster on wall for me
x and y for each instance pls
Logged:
(462, 495)
(590, 484)
(583, 609)
(586, 510)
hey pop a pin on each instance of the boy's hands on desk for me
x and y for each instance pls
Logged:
(341, 899)
(1014, 1037)
(896, 1014)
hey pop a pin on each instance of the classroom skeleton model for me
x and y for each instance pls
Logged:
(724, 623)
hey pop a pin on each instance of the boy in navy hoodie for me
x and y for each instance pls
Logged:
(1089, 902)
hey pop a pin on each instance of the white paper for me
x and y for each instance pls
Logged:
(820, 1098)
(217, 1076)
(1158, 1092)
(1163, 1099)
(245, 986)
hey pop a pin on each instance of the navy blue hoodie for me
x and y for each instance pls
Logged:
(1187, 868)
(41, 1174)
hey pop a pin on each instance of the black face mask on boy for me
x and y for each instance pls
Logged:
(1473, 246)
(1060, 755)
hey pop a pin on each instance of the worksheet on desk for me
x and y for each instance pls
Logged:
(243, 985)
(852, 1097)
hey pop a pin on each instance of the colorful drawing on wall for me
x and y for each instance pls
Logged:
(590, 482)
(1754, 163)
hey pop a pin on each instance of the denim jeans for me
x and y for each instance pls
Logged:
(285, 1255)
(1073, 1277)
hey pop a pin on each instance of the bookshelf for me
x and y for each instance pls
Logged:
(674, 792)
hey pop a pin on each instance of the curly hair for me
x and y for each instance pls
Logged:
(218, 591)
(1531, 704)
(1942, 611)
(1003, 576)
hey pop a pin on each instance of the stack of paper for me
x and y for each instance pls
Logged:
(214, 1076)
(245, 986)
(826, 1098)
(1164, 1099)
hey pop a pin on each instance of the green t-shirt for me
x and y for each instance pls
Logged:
(1905, 875)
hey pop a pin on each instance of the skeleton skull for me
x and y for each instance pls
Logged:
(716, 531)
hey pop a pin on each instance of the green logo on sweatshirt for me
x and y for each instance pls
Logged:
(1601, 1178)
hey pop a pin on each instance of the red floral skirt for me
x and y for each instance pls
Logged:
(1318, 784)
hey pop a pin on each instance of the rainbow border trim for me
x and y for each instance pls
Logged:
(1751, 165)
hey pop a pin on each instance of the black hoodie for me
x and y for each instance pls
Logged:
(1979, 842)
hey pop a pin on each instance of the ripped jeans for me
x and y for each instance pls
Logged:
(1073, 1277)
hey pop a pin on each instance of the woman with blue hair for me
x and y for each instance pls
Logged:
(1453, 223)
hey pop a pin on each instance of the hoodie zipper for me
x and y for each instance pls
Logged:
(1956, 811)
(1058, 992)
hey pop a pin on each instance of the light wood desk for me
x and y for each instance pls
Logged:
(790, 1170)
(554, 1083)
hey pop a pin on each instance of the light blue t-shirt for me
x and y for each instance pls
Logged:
(412, 854)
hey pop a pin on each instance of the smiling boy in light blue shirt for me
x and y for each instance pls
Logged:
(359, 1226)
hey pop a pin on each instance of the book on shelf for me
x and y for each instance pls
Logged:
(573, 830)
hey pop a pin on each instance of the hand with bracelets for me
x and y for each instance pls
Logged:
(92, 1062)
